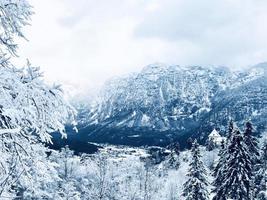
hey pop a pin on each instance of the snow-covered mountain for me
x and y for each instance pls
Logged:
(162, 103)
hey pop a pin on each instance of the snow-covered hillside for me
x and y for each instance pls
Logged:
(177, 100)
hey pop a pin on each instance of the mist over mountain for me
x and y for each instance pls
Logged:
(162, 103)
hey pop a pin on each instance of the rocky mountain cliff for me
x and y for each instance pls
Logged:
(165, 103)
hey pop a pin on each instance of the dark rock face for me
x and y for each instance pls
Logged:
(162, 104)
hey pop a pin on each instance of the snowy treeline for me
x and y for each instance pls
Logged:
(236, 170)
(134, 173)
(239, 173)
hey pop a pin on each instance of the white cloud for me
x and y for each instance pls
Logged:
(82, 43)
(218, 32)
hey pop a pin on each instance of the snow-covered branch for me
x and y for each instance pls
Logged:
(11, 131)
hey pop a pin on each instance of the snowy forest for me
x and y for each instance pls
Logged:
(220, 166)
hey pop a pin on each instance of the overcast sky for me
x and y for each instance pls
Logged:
(84, 42)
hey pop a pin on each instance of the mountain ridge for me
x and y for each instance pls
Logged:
(171, 102)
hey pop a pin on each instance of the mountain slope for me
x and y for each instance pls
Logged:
(164, 103)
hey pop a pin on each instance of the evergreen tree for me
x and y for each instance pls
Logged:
(261, 176)
(173, 158)
(174, 147)
(235, 181)
(251, 143)
(253, 148)
(220, 168)
(195, 188)
(210, 145)
(230, 129)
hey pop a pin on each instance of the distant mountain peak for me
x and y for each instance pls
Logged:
(186, 100)
(262, 66)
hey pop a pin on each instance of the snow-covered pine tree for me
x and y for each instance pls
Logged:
(254, 151)
(252, 143)
(261, 175)
(231, 128)
(235, 182)
(173, 158)
(195, 188)
(220, 167)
